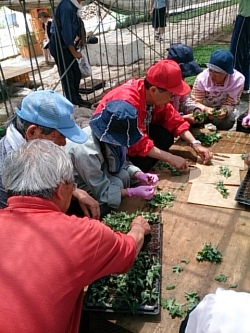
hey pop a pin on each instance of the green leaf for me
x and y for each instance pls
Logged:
(170, 286)
(209, 253)
(221, 278)
(186, 261)
(225, 171)
(177, 269)
(208, 139)
(233, 285)
(222, 189)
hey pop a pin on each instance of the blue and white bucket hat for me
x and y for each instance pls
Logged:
(116, 124)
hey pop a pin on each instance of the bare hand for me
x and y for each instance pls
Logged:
(178, 162)
(77, 55)
(204, 153)
(189, 118)
(139, 220)
(89, 205)
(247, 159)
(222, 113)
(209, 112)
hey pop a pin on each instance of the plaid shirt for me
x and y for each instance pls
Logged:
(3, 154)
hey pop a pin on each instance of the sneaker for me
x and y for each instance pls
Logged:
(245, 96)
(160, 39)
(157, 36)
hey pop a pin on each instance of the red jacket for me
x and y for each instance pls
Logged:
(133, 92)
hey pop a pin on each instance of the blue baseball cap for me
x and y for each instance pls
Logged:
(50, 109)
(117, 124)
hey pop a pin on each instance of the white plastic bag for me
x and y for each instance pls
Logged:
(84, 65)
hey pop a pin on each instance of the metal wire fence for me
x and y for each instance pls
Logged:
(126, 40)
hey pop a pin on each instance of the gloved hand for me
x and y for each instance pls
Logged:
(147, 178)
(246, 121)
(146, 192)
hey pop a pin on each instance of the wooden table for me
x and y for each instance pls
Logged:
(186, 227)
(15, 73)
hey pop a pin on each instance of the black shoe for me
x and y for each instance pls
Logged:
(82, 102)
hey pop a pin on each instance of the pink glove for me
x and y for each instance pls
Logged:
(246, 121)
(146, 192)
(147, 178)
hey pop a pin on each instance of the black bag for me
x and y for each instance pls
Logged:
(92, 40)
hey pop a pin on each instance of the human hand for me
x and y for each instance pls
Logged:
(204, 153)
(210, 113)
(77, 55)
(247, 159)
(222, 113)
(246, 121)
(146, 192)
(178, 162)
(189, 118)
(89, 205)
(140, 220)
(147, 178)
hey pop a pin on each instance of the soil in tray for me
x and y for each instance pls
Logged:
(138, 290)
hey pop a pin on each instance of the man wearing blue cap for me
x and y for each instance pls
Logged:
(100, 165)
(48, 115)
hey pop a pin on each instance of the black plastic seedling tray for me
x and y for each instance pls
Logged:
(243, 193)
(152, 246)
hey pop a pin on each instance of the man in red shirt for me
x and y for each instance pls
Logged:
(157, 119)
(47, 256)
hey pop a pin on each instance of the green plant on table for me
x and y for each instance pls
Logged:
(208, 139)
(165, 165)
(209, 253)
(162, 200)
(222, 189)
(199, 116)
(193, 299)
(138, 285)
(174, 309)
(225, 171)
(177, 269)
(221, 278)
(243, 156)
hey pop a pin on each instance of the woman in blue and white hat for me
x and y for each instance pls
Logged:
(101, 166)
(217, 90)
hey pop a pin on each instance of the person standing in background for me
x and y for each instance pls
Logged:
(240, 45)
(66, 28)
(159, 10)
(46, 23)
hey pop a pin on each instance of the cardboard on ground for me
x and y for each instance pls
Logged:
(210, 174)
(232, 160)
(208, 195)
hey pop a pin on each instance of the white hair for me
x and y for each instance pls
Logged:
(36, 169)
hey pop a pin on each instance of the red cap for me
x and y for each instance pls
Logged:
(166, 74)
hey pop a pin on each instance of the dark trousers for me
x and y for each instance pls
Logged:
(162, 140)
(240, 47)
(63, 59)
(75, 209)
